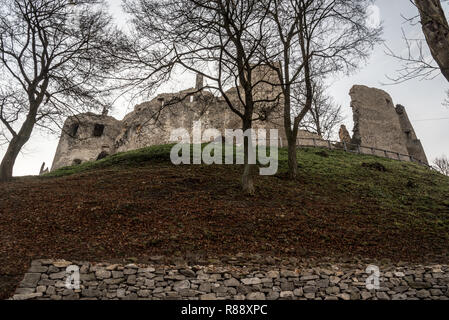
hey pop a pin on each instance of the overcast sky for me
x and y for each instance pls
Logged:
(423, 99)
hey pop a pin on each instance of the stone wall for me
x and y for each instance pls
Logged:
(86, 137)
(379, 124)
(46, 280)
(414, 145)
(376, 123)
(152, 122)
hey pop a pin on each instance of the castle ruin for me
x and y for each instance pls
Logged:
(87, 137)
(379, 124)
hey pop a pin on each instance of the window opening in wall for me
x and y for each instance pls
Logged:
(74, 129)
(98, 130)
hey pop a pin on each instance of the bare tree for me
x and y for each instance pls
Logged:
(55, 58)
(12, 104)
(218, 39)
(313, 39)
(324, 116)
(442, 165)
(417, 63)
(436, 30)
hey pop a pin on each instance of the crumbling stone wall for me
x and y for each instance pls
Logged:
(152, 122)
(344, 135)
(414, 145)
(378, 124)
(84, 137)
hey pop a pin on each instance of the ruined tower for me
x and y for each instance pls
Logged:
(413, 144)
(376, 123)
(86, 137)
(379, 124)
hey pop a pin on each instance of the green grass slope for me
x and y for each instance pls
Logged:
(391, 184)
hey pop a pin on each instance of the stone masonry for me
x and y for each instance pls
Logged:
(46, 280)
(151, 123)
(87, 137)
(414, 145)
(344, 135)
(378, 124)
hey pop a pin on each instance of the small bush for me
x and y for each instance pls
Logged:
(322, 153)
(374, 166)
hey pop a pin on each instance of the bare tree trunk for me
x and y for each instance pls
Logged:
(7, 165)
(9, 159)
(318, 123)
(248, 179)
(249, 169)
(291, 134)
(16, 144)
(292, 160)
(436, 29)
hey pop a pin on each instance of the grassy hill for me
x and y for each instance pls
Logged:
(138, 204)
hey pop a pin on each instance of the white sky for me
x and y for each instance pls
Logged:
(423, 99)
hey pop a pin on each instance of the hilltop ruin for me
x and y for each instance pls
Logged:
(87, 137)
